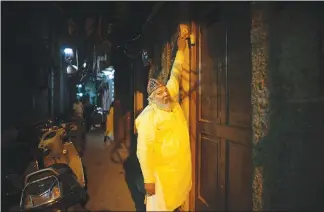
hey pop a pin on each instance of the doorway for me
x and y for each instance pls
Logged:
(223, 162)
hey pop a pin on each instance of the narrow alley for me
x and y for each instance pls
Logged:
(214, 106)
(107, 188)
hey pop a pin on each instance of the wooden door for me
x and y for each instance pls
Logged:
(223, 180)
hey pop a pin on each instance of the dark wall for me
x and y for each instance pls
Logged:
(122, 80)
(163, 29)
(27, 43)
(292, 152)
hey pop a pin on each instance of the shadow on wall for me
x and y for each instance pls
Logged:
(164, 33)
(291, 154)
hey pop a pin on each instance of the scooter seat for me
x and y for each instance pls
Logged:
(62, 168)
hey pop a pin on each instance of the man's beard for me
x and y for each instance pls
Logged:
(167, 106)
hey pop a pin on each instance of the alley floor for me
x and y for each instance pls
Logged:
(106, 184)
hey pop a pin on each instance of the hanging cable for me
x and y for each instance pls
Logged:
(145, 25)
(132, 56)
(155, 9)
(125, 42)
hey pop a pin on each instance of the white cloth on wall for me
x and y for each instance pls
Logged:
(105, 100)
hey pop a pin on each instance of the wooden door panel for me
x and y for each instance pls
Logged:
(211, 58)
(238, 177)
(208, 149)
(239, 65)
(238, 148)
(210, 183)
(224, 131)
(223, 127)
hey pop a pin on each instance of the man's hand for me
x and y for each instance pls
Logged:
(149, 188)
(183, 34)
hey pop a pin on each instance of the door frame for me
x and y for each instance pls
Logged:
(193, 78)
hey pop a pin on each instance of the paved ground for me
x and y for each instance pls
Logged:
(106, 185)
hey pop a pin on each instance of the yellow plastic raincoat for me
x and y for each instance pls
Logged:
(163, 149)
(110, 123)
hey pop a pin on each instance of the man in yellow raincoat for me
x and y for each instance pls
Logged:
(163, 147)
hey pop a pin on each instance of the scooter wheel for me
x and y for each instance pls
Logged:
(85, 198)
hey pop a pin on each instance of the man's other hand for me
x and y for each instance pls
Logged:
(149, 188)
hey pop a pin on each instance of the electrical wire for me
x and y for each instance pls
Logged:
(145, 25)
(134, 39)
(148, 21)
(137, 37)
(132, 56)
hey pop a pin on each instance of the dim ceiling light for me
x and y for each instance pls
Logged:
(68, 51)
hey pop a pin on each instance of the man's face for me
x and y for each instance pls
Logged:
(162, 95)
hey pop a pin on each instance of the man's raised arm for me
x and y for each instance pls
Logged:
(173, 83)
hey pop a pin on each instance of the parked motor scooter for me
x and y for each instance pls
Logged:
(17, 161)
(61, 183)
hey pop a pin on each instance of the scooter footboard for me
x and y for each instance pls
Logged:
(75, 162)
